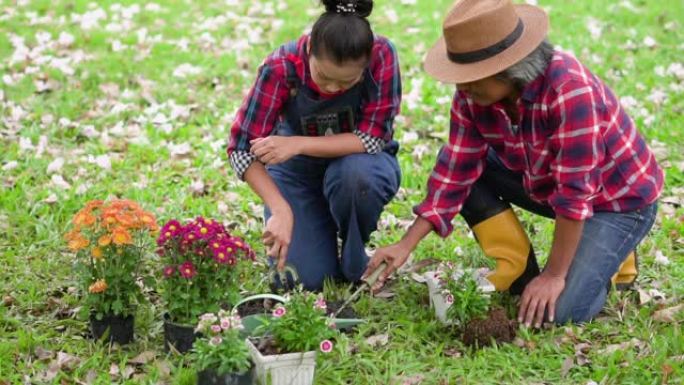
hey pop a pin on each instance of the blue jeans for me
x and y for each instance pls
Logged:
(607, 239)
(329, 198)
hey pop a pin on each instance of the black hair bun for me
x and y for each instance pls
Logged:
(361, 8)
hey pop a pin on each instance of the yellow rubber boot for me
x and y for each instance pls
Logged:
(503, 238)
(627, 273)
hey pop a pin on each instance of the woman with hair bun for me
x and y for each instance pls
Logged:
(313, 138)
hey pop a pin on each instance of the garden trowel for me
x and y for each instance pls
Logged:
(367, 283)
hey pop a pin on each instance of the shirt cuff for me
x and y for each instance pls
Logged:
(429, 213)
(573, 209)
(241, 160)
(372, 144)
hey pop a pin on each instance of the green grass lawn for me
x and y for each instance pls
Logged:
(137, 100)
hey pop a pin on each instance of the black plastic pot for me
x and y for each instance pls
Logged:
(180, 336)
(210, 377)
(120, 328)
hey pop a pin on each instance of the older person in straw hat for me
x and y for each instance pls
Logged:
(533, 127)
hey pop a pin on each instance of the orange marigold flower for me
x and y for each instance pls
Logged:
(84, 218)
(98, 287)
(78, 242)
(148, 219)
(96, 252)
(104, 240)
(121, 236)
(125, 219)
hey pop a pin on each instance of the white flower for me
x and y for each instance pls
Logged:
(59, 181)
(65, 39)
(185, 70)
(103, 161)
(216, 340)
(11, 165)
(55, 166)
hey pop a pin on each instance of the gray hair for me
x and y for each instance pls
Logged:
(526, 70)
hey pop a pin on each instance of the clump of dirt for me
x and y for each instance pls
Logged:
(495, 327)
(255, 307)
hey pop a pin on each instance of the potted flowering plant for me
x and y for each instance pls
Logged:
(285, 351)
(110, 239)
(199, 274)
(221, 355)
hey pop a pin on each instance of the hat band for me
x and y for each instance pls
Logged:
(487, 52)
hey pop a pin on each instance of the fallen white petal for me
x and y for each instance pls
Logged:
(55, 166)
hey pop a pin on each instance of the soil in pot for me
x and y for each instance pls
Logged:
(210, 377)
(180, 336)
(267, 345)
(120, 328)
(261, 306)
(496, 327)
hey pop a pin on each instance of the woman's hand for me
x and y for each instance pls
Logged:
(540, 297)
(394, 255)
(278, 234)
(275, 149)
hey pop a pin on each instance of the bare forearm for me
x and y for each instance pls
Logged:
(330, 146)
(416, 232)
(566, 238)
(261, 183)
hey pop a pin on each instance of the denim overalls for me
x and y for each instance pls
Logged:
(331, 198)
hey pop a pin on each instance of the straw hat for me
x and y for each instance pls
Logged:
(484, 37)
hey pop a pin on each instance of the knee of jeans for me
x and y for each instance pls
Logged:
(578, 306)
(347, 178)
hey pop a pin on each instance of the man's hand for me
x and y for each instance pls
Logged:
(394, 255)
(278, 234)
(539, 296)
(275, 149)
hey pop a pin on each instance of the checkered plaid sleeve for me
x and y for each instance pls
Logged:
(372, 144)
(240, 161)
(459, 164)
(259, 112)
(383, 104)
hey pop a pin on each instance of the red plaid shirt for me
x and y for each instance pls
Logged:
(264, 105)
(576, 147)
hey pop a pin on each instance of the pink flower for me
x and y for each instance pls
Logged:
(279, 311)
(216, 340)
(225, 323)
(326, 346)
(449, 299)
(332, 325)
(168, 271)
(216, 329)
(320, 303)
(187, 270)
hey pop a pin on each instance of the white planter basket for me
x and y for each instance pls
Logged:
(438, 300)
(283, 369)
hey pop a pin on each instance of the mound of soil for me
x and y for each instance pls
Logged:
(496, 327)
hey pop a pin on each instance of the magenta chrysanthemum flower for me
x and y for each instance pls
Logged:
(279, 311)
(326, 346)
(187, 270)
(168, 271)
